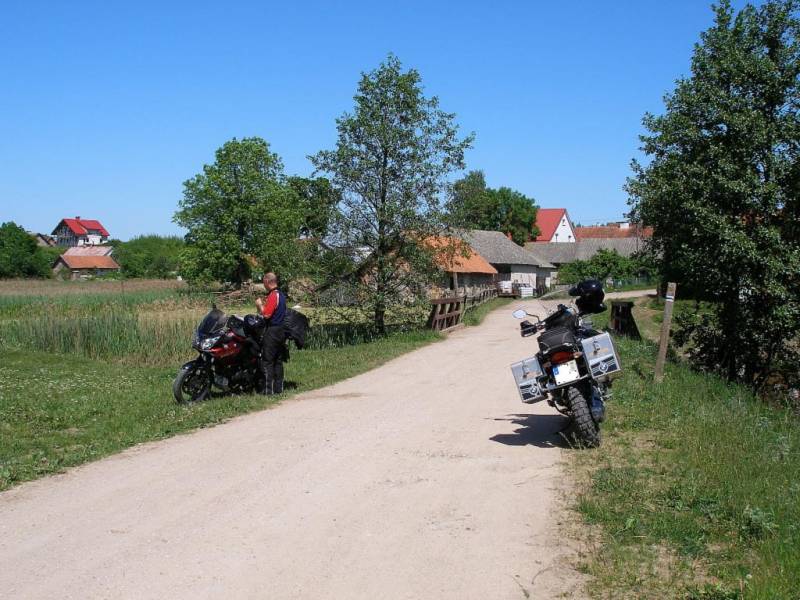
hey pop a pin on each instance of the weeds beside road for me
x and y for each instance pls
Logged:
(695, 490)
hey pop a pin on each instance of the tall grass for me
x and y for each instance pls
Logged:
(124, 336)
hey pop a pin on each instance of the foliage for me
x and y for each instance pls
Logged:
(390, 167)
(475, 206)
(150, 256)
(603, 265)
(20, 256)
(240, 214)
(697, 481)
(721, 190)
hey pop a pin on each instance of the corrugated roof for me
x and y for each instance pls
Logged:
(88, 262)
(547, 220)
(451, 257)
(566, 252)
(497, 249)
(89, 250)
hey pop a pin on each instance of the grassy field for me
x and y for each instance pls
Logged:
(695, 491)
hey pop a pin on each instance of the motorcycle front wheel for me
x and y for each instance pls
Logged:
(583, 430)
(193, 384)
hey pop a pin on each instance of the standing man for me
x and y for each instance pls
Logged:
(272, 308)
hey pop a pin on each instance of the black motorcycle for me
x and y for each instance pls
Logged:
(228, 352)
(575, 364)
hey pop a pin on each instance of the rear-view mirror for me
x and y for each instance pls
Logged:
(519, 313)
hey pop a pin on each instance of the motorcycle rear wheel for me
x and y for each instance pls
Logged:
(193, 384)
(583, 431)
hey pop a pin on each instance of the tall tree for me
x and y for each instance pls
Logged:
(475, 206)
(390, 166)
(19, 254)
(721, 189)
(239, 213)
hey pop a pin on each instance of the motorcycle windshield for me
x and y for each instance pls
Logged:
(213, 322)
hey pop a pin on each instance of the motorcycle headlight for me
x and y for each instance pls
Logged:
(208, 343)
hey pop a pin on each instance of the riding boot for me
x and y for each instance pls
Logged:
(277, 386)
(266, 389)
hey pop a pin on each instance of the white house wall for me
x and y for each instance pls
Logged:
(563, 232)
(523, 274)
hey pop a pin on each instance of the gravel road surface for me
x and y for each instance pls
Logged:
(424, 478)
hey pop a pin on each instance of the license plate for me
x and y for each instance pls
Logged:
(566, 372)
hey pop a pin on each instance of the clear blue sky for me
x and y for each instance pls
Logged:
(107, 107)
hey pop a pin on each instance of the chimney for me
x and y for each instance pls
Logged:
(77, 218)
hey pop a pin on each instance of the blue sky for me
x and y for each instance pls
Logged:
(107, 107)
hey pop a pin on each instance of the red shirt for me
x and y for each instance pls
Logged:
(268, 308)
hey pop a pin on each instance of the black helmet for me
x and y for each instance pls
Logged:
(590, 296)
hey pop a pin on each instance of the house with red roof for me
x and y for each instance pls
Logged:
(80, 232)
(554, 226)
(618, 230)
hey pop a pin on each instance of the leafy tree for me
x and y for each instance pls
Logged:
(721, 189)
(390, 166)
(20, 256)
(476, 206)
(149, 256)
(240, 214)
(318, 200)
(603, 265)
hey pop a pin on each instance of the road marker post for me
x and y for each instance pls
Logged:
(669, 302)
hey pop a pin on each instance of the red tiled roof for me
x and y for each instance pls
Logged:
(82, 226)
(547, 220)
(585, 233)
(451, 257)
(88, 262)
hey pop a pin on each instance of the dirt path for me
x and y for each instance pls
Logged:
(425, 478)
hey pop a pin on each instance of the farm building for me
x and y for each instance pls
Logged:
(464, 267)
(613, 230)
(561, 254)
(89, 251)
(85, 266)
(513, 263)
(80, 232)
(554, 226)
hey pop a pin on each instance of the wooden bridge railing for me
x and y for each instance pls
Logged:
(446, 313)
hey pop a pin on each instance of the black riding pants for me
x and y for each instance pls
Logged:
(272, 350)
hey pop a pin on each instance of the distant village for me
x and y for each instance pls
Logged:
(492, 258)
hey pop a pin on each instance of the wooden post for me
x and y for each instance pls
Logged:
(669, 302)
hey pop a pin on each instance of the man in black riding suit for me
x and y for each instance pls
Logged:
(273, 343)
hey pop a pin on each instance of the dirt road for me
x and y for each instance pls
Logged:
(425, 478)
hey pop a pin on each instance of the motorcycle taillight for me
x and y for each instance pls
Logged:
(561, 357)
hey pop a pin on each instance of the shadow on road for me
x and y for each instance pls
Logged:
(542, 431)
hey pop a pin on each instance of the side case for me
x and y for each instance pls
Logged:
(526, 374)
(602, 357)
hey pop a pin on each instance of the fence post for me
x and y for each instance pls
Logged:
(665, 326)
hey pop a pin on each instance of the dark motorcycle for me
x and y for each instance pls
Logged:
(575, 364)
(229, 350)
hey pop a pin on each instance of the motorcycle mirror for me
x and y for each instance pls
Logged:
(519, 313)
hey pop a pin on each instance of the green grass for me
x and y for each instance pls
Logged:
(475, 316)
(57, 410)
(695, 492)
